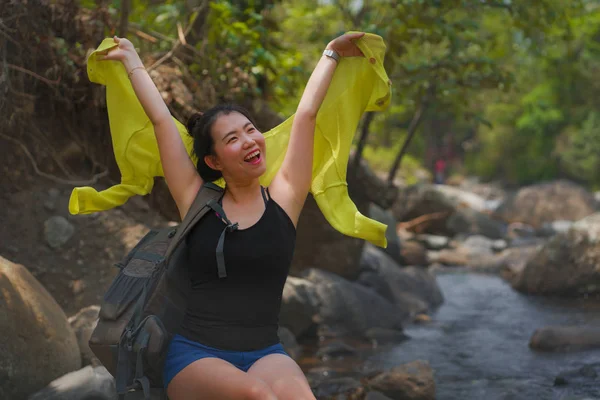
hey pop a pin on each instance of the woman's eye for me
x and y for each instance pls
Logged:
(231, 139)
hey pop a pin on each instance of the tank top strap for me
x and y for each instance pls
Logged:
(265, 195)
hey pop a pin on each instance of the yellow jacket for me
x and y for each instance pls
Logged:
(359, 84)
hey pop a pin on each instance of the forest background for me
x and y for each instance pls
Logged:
(502, 89)
(505, 90)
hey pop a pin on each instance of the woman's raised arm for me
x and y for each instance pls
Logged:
(292, 182)
(179, 170)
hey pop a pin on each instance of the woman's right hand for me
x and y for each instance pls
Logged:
(124, 52)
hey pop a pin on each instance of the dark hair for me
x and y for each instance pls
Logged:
(199, 126)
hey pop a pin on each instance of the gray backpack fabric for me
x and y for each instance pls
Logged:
(145, 305)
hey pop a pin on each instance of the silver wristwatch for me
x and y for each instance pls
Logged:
(332, 54)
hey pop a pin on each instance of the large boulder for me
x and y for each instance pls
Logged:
(299, 305)
(565, 338)
(547, 202)
(38, 344)
(393, 241)
(471, 222)
(318, 243)
(350, 309)
(439, 203)
(88, 383)
(413, 290)
(83, 324)
(567, 265)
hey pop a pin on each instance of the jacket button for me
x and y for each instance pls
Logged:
(379, 102)
(372, 60)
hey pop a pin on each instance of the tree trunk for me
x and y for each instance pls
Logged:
(414, 124)
(364, 133)
(124, 23)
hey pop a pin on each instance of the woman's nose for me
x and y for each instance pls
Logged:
(248, 141)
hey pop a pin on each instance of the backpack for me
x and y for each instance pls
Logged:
(145, 305)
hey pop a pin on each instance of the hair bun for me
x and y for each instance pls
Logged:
(192, 121)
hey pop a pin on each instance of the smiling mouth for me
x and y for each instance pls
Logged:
(253, 158)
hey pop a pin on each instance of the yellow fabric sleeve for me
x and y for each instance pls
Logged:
(359, 84)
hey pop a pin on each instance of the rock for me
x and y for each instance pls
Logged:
(552, 228)
(83, 324)
(418, 200)
(412, 381)
(337, 387)
(50, 202)
(89, 383)
(318, 243)
(434, 242)
(478, 245)
(298, 305)
(412, 290)
(421, 318)
(413, 253)
(289, 343)
(58, 231)
(38, 344)
(509, 263)
(385, 336)
(451, 257)
(366, 185)
(375, 395)
(393, 241)
(547, 202)
(471, 222)
(586, 373)
(347, 308)
(567, 265)
(335, 349)
(499, 245)
(565, 338)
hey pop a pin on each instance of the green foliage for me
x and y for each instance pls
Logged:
(511, 86)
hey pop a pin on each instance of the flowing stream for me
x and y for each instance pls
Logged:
(477, 344)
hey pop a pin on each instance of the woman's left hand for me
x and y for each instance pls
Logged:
(345, 46)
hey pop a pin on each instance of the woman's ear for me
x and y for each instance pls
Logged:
(213, 162)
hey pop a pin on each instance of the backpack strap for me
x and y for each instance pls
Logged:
(229, 227)
(209, 191)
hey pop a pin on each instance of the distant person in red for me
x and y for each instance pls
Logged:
(440, 171)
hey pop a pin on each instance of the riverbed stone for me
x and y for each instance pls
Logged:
(472, 222)
(567, 265)
(412, 290)
(346, 308)
(38, 344)
(375, 395)
(319, 244)
(289, 342)
(338, 388)
(299, 305)
(88, 383)
(58, 231)
(393, 248)
(547, 202)
(385, 336)
(565, 338)
(83, 324)
(412, 381)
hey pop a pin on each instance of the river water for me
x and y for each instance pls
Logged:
(477, 343)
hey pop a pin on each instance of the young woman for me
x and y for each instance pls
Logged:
(227, 347)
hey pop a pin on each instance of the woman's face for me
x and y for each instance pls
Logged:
(239, 147)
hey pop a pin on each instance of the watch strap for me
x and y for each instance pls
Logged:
(332, 54)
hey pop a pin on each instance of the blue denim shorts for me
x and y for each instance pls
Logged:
(182, 352)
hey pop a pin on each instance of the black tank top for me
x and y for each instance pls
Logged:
(241, 311)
